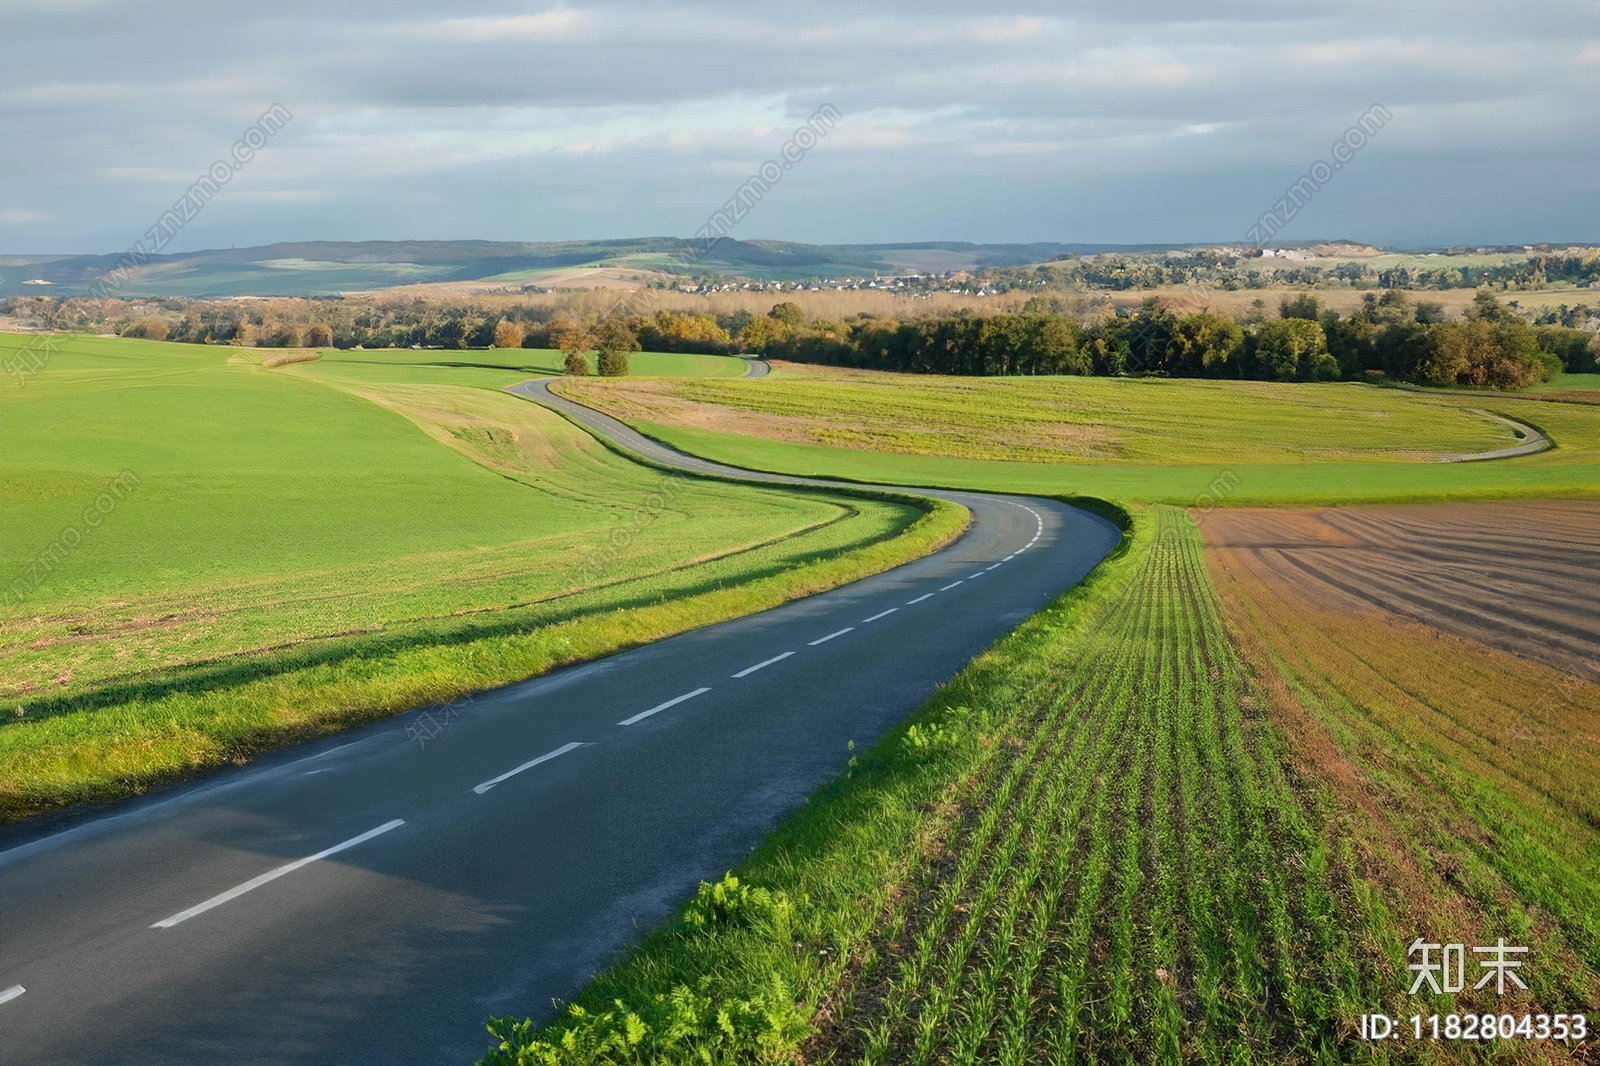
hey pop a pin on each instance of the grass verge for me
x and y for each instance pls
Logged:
(1082, 848)
(122, 739)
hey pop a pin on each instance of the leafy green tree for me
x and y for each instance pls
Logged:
(614, 340)
(1291, 349)
(1484, 352)
(1304, 306)
(1203, 343)
(1148, 336)
(1486, 307)
(789, 314)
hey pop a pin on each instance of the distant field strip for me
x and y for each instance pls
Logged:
(1060, 420)
(1520, 576)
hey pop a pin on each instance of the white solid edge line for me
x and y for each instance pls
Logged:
(830, 636)
(642, 715)
(11, 993)
(530, 764)
(950, 586)
(273, 875)
(752, 669)
(919, 599)
(880, 614)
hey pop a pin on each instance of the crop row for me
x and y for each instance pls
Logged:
(1139, 882)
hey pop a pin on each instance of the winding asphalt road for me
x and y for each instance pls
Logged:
(374, 898)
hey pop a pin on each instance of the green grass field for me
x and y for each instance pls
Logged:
(1066, 419)
(1579, 382)
(1568, 471)
(1184, 442)
(278, 523)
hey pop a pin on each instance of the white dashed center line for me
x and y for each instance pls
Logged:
(994, 567)
(880, 614)
(919, 599)
(271, 875)
(971, 577)
(642, 715)
(11, 993)
(830, 636)
(530, 764)
(950, 586)
(752, 669)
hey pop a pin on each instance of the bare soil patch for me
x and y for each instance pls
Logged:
(1520, 576)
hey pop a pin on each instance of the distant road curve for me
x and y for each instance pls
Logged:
(1533, 443)
(374, 897)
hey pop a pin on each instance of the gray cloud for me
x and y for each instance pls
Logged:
(1097, 121)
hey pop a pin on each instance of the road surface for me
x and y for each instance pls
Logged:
(375, 897)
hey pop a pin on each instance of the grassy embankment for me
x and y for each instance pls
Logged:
(1155, 440)
(290, 555)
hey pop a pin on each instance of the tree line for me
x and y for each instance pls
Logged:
(1388, 336)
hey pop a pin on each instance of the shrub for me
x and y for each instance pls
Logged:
(729, 904)
(318, 335)
(689, 1025)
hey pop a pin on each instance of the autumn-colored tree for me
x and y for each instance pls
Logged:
(574, 339)
(615, 340)
(318, 335)
(149, 327)
(507, 334)
(760, 333)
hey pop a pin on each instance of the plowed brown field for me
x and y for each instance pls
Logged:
(1434, 670)
(1521, 576)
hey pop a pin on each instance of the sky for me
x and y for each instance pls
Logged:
(1095, 122)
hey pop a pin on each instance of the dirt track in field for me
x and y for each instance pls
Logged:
(1521, 576)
